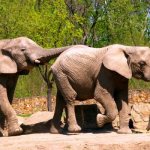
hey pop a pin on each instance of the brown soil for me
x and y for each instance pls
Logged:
(82, 141)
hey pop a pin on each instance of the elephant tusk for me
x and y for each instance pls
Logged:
(37, 61)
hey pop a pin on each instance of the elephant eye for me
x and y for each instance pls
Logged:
(23, 49)
(142, 63)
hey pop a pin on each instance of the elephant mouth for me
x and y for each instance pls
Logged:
(147, 79)
(41, 61)
(141, 76)
(37, 61)
(137, 72)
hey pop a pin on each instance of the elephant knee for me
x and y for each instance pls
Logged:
(112, 115)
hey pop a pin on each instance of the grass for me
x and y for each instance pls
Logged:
(139, 84)
(24, 115)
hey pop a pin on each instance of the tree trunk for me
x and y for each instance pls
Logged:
(49, 99)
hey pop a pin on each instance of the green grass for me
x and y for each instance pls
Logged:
(139, 84)
(24, 115)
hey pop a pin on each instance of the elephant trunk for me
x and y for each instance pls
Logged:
(48, 54)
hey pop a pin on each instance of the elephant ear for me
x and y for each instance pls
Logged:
(115, 59)
(7, 64)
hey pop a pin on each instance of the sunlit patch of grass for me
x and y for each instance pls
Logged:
(24, 115)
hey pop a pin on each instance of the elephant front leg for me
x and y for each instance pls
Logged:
(107, 101)
(3, 131)
(55, 123)
(124, 111)
(9, 113)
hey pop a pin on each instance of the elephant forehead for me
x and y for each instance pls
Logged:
(144, 54)
(29, 41)
(22, 42)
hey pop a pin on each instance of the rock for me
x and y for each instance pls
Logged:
(41, 116)
(37, 123)
(140, 115)
(20, 119)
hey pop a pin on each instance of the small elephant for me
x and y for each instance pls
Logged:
(17, 57)
(83, 72)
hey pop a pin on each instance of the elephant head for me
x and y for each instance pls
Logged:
(129, 61)
(18, 55)
(22, 54)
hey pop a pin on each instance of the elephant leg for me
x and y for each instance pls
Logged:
(72, 122)
(11, 85)
(6, 108)
(3, 132)
(69, 95)
(55, 123)
(122, 104)
(107, 101)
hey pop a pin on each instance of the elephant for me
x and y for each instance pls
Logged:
(103, 74)
(17, 57)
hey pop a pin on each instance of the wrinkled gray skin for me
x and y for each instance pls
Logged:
(17, 57)
(83, 73)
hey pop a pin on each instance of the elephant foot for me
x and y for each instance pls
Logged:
(124, 131)
(15, 131)
(14, 128)
(56, 130)
(74, 128)
(101, 120)
(3, 132)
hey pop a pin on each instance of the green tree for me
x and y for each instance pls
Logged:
(56, 23)
(46, 22)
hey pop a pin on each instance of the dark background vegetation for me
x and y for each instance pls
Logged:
(56, 23)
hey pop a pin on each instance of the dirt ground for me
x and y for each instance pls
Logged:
(82, 141)
(94, 140)
(37, 137)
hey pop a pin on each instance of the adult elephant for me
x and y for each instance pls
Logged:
(17, 57)
(83, 73)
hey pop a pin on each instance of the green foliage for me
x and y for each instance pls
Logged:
(128, 19)
(122, 22)
(31, 85)
(55, 23)
(46, 23)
